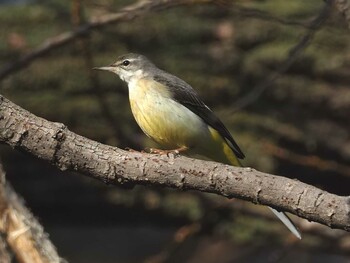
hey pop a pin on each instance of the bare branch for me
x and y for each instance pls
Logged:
(66, 150)
(21, 231)
(313, 161)
(263, 15)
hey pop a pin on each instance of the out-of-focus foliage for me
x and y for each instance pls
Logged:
(299, 127)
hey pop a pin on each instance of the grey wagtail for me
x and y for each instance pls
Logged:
(169, 111)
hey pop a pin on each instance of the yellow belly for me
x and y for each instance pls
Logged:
(164, 120)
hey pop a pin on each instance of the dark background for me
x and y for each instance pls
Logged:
(296, 125)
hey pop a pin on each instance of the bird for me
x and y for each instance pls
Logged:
(169, 111)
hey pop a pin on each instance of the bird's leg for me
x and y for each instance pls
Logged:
(174, 151)
(133, 151)
(130, 149)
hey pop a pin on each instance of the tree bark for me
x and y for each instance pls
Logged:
(66, 150)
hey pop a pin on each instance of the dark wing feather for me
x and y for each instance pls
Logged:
(185, 94)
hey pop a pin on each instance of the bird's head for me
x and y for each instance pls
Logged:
(130, 66)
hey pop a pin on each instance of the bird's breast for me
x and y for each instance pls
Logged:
(162, 118)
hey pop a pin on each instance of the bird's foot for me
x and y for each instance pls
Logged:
(133, 150)
(167, 152)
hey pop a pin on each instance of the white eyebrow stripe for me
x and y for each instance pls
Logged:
(130, 59)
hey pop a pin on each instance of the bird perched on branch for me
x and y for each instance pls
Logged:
(169, 111)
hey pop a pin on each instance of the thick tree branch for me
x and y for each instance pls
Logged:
(53, 142)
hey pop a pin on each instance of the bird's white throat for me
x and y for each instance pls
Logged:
(133, 76)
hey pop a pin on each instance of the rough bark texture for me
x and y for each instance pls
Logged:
(20, 232)
(53, 142)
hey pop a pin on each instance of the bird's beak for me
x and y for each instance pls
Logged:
(104, 68)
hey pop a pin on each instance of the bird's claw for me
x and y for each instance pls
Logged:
(168, 152)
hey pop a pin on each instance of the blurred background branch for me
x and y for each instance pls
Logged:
(293, 55)
(78, 19)
(127, 13)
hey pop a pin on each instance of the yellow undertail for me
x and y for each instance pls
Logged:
(218, 150)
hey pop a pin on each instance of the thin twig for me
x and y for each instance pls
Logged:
(130, 12)
(84, 46)
(266, 16)
(293, 55)
(311, 161)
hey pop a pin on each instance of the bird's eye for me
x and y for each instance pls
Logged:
(126, 63)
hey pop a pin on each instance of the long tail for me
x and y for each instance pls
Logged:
(287, 222)
(281, 215)
(226, 155)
